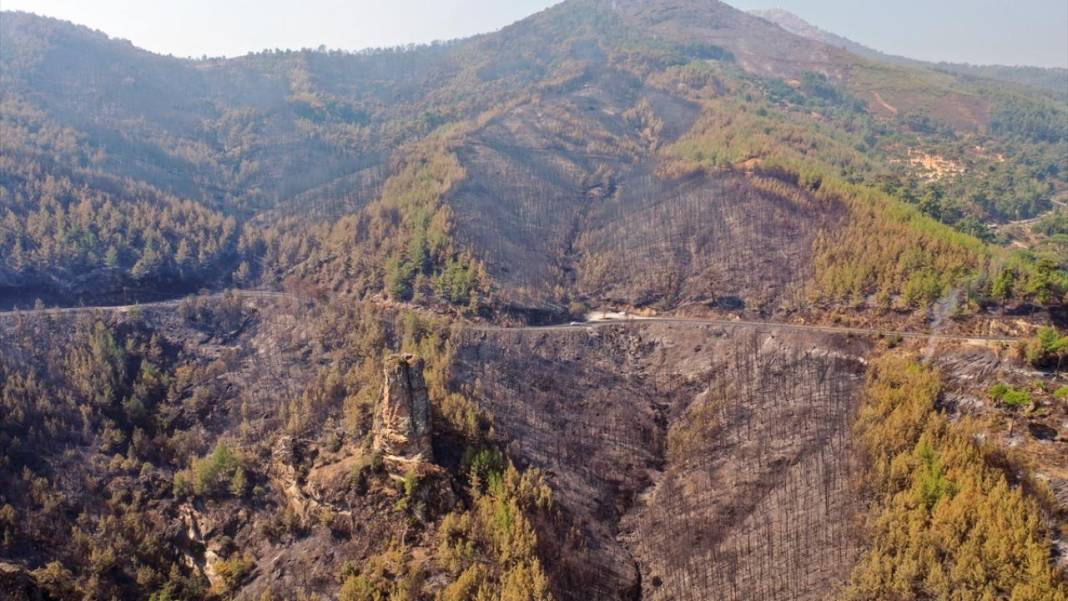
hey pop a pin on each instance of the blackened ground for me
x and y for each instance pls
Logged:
(694, 462)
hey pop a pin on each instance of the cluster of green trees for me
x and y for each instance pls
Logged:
(416, 193)
(1028, 276)
(890, 251)
(1009, 396)
(402, 243)
(220, 473)
(1048, 349)
(1010, 173)
(1055, 224)
(430, 264)
(105, 390)
(1003, 192)
(489, 551)
(80, 223)
(947, 520)
(815, 92)
(1031, 119)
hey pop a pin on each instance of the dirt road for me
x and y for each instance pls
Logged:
(769, 326)
(174, 303)
(757, 325)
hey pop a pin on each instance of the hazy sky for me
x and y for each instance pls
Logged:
(1013, 32)
(977, 31)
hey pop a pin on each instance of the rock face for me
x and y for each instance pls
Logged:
(402, 419)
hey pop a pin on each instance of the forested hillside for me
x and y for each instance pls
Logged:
(866, 402)
(256, 157)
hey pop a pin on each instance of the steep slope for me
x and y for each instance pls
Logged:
(652, 156)
(569, 195)
(232, 447)
(559, 124)
(695, 462)
(235, 129)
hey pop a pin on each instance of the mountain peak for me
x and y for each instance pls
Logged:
(759, 45)
(798, 26)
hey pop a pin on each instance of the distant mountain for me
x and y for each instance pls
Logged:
(1053, 80)
(796, 25)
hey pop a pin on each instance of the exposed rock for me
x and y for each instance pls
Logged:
(284, 458)
(402, 419)
(202, 544)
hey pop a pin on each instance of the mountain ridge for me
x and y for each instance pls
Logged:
(1051, 79)
(674, 160)
(267, 133)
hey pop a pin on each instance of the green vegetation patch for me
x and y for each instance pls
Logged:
(220, 473)
(947, 520)
(1048, 348)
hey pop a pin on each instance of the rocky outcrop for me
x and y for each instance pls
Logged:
(402, 431)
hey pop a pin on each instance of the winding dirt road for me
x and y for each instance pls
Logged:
(173, 303)
(633, 321)
(758, 325)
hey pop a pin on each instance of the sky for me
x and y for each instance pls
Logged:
(1010, 32)
(1023, 32)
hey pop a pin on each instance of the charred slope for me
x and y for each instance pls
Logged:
(694, 463)
(538, 173)
(728, 240)
(229, 449)
(103, 411)
(563, 203)
(315, 130)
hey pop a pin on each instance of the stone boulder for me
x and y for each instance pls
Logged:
(402, 430)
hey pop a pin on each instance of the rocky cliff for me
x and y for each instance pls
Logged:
(402, 419)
